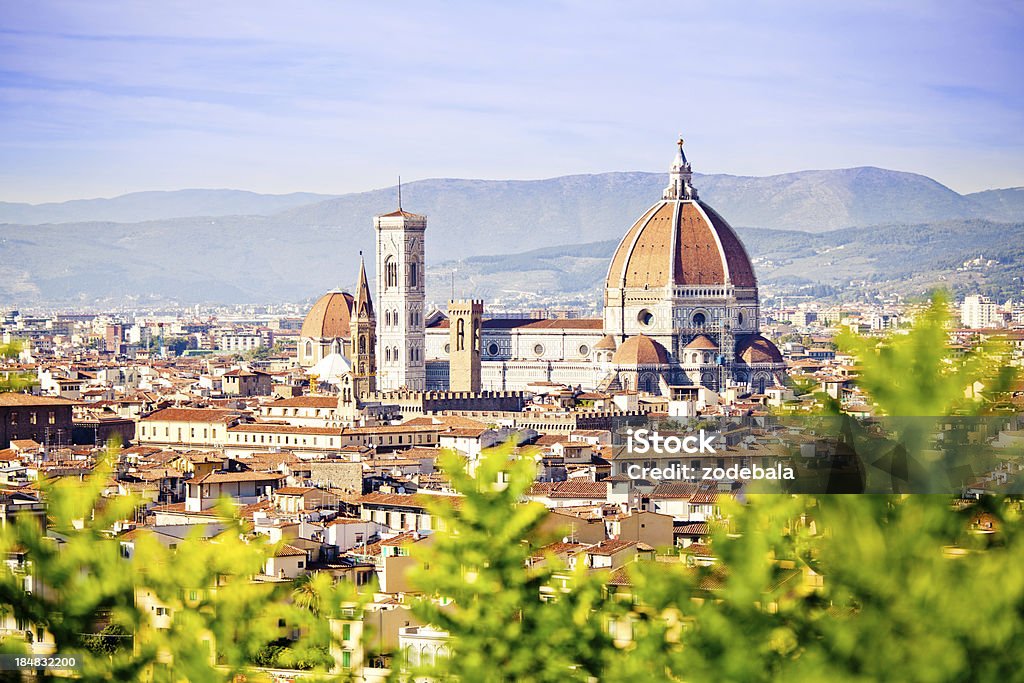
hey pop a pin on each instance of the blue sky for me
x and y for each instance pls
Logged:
(102, 98)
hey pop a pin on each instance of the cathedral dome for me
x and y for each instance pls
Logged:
(329, 318)
(754, 348)
(680, 241)
(640, 350)
(607, 343)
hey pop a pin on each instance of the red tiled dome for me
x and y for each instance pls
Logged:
(640, 350)
(680, 242)
(756, 349)
(329, 318)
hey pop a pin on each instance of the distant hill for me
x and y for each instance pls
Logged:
(232, 246)
(149, 206)
(1001, 205)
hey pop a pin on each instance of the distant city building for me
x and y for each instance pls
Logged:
(979, 312)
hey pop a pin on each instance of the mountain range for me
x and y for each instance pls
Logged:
(234, 246)
(971, 255)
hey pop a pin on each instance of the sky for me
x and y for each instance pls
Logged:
(102, 98)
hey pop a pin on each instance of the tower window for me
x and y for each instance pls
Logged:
(390, 273)
(412, 274)
(460, 335)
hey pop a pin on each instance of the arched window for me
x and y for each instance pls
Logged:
(390, 273)
(476, 336)
(387, 318)
(309, 349)
(647, 383)
(362, 344)
(412, 274)
(460, 335)
(387, 354)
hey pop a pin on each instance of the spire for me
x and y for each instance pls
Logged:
(364, 304)
(399, 193)
(679, 177)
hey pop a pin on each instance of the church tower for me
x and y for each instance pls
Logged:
(464, 321)
(363, 338)
(401, 338)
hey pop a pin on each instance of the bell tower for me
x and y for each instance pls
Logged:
(363, 338)
(464, 321)
(401, 337)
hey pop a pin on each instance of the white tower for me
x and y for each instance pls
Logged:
(401, 340)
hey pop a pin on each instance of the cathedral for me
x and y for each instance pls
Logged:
(680, 309)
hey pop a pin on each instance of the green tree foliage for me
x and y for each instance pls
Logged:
(480, 589)
(916, 374)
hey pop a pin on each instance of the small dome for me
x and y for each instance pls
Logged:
(640, 350)
(607, 343)
(329, 318)
(754, 348)
(331, 369)
(701, 342)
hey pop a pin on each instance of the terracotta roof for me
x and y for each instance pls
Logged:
(10, 398)
(402, 214)
(444, 421)
(699, 549)
(347, 520)
(264, 428)
(391, 499)
(619, 577)
(305, 402)
(573, 488)
(289, 551)
(294, 490)
(610, 547)
(675, 490)
(701, 342)
(192, 415)
(756, 349)
(463, 433)
(227, 477)
(330, 317)
(402, 539)
(640, 350)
